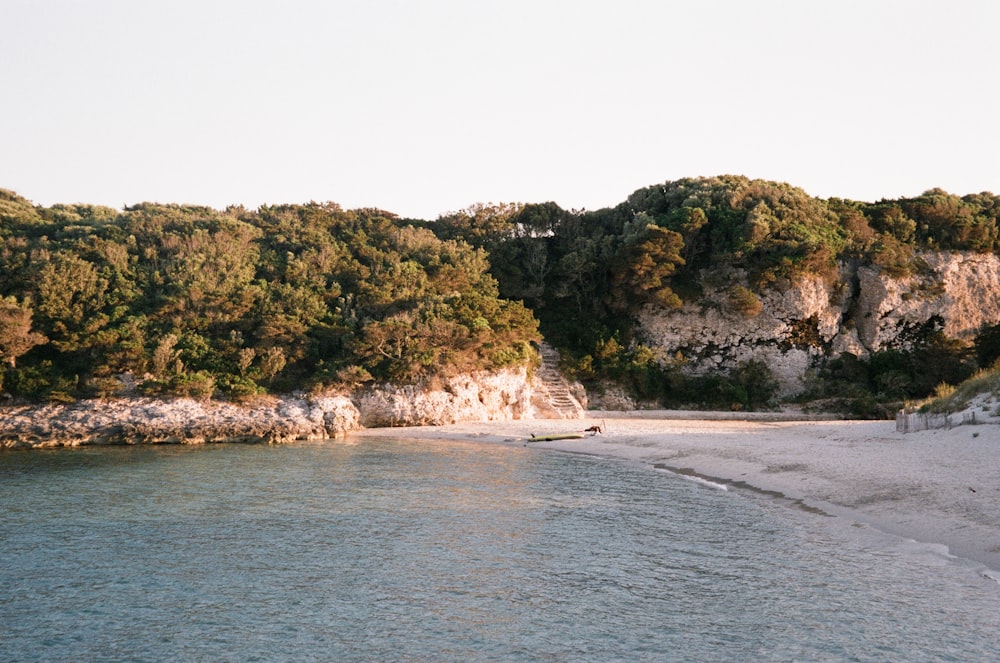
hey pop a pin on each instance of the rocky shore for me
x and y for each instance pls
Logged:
(271, 420)
(180, 421)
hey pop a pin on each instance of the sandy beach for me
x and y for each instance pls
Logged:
(939, 486)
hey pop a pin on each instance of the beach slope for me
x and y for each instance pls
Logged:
(939, 486)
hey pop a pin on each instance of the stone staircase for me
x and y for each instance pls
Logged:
(552, 398)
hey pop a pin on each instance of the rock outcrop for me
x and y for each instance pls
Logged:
(864, 311)
(481, 397)
(273, 420)
(177, 421)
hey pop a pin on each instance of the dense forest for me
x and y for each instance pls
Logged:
(585, 274)
(240, 302)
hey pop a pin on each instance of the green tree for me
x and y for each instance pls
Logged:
(16, 334)
(644, 265)
(71, 299)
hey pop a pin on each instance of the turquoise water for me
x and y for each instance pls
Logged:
(397, 550)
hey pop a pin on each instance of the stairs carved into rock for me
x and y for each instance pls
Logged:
(553, 398)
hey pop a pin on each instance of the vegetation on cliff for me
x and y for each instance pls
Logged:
(586, 273)
(243, 301)
(240, 301)
(983, 386)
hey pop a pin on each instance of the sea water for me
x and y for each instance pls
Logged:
(407, 550)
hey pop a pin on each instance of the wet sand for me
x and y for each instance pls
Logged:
(940, 486)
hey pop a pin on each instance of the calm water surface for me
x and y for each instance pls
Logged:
(401, 550)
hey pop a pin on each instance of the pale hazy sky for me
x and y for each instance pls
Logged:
(425, 106)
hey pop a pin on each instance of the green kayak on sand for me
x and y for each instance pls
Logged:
(550, 438)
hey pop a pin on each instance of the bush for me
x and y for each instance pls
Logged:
(756, 381)
(240, 388)
(198, 385)
(987, 345)
(41, 382)
(102, 387)
(743, 300)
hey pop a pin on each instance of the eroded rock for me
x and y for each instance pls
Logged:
(270, 420)
(863, 311)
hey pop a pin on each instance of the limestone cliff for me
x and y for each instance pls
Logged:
(480, 397)
(177, 421)
(862, 311)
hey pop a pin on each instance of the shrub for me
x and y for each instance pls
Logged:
(987, 345)
(743, 300)
(756, 381)
(102, 387)
(198, 385)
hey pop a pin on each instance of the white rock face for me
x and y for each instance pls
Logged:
(962, 289)
(482, 397)
(179, 421)
(863, 312)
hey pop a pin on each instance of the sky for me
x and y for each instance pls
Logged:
(423, 107)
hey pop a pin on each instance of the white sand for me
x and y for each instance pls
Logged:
(938, 486)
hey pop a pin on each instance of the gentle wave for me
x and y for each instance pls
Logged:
(417, 550)
(690, 476)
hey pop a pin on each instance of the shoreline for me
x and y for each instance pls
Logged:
(936, 487)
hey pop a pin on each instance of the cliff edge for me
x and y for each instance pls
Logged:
(863, 311)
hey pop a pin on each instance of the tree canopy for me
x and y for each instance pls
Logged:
(239, 302)
(586, 274)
